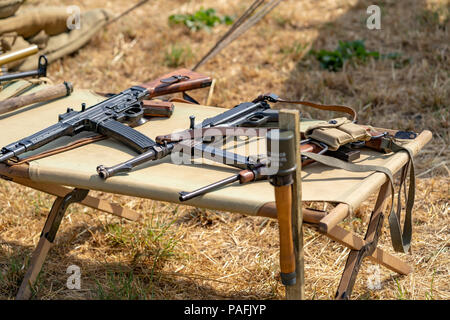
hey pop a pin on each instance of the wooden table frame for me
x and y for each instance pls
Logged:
(324, 222)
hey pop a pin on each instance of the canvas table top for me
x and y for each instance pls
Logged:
(163, 179)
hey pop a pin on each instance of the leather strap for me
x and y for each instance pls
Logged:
(338, 108)
(67, 147)
(274, 98)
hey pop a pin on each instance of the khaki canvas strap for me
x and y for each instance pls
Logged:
(401, 240)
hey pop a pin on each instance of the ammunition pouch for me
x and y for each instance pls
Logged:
(337, 132)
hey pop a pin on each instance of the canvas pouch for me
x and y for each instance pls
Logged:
(337, 132)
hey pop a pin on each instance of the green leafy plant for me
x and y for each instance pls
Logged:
(346, 50)
(202, 19)
(352, 51)
(401, 292)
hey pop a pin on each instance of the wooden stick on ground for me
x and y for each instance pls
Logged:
(46, 94)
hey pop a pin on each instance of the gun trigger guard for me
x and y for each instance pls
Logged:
(174, 79)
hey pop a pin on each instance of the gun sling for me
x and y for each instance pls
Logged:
(401, 240)
(70, 146)
(337, 108)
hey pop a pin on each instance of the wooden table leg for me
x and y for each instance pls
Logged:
(356, 257)
(89, 201)
(335, 216)
(46, 240)
(348, 239)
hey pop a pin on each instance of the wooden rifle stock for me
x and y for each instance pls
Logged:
(309, 147)
(374, 144)
(378, 136)
(180, 80)
(177, 81)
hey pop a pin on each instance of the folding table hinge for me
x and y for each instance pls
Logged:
(77, 195)
(355, 260)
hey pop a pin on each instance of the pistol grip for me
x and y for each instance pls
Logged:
(126, 135)
(154, 108)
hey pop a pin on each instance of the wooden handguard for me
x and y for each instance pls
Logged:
(177, 81)
(309, 147)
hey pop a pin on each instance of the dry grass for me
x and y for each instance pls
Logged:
(179, 252)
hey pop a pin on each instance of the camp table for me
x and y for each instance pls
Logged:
(71, 174)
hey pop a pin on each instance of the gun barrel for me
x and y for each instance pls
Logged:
(6, 156)
(14, 76)
(152, 154)
(184, 196)
(35, 141)
(40, 72)
(18, 54)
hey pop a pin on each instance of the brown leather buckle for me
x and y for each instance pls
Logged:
(174, 79)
